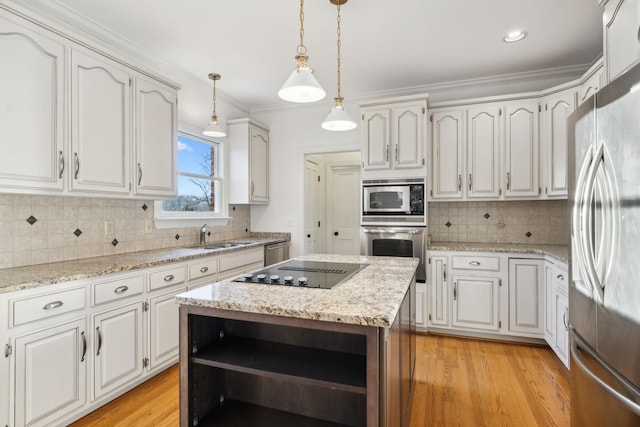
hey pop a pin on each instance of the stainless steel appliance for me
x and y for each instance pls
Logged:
(604, 293)
(393, 202)
(276, 253)
(395, 241)
(308, 274)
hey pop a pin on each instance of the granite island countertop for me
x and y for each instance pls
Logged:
(19, 278)
(372, 297)
(559, 252)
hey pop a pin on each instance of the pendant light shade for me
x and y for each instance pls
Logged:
(338, 119)
(213, 128)
(301, 86)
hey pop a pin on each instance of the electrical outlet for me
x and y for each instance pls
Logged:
(148, 226)
(108, 228)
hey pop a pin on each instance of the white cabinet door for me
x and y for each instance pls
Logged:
(621, 21)
(591, 86)
(163, 328)
(447, 145)
(258, 164)
(439, 292)
(556, 111)
(31, 106)
(50, 374)
(117, 348)
(156, 139)
(483, 150)
(561, 343)
(421, 305)
(101, 131)
(475, 302)
(522, 149)
(549, 305)
(526, 296)
(408, 135)
(376, 144)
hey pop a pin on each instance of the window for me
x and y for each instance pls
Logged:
(199, 185)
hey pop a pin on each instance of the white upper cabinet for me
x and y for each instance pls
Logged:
(592, 84)
(521, 149)
(32, 105)
(394, 138)
(101, 124)
(156, 139)
(447, 145)
(621, 22)
(557, 109)
(248, 162)
(483, 151)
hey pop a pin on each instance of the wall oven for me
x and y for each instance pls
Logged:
(393, 202)
(395, 241)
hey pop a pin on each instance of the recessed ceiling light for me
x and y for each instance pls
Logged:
(515, 36)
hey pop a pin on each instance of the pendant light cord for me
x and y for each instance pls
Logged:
(302, 50)
(339, 44)
(214, 98)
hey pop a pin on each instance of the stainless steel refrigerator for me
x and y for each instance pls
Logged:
(604, 293)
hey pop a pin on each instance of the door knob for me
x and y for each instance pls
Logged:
(335, 233)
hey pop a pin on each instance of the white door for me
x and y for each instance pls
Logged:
(163, 328)
(408, 135)
(117, 347)
(101, 129)
(549, 305)
(376, 133)
(526, 291)
(475, 302)
(447, 144)
(439, 292)
(483, 147)
(258, 164)
(556, 111)
(156, 136)
(561, 345)
(343, 208)
(313, 207)
(521, 149)
(421, 305)
(50, 374)
(31, 106)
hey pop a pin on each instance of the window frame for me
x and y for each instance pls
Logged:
(178, 219)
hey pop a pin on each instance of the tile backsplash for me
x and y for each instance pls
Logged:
(537, 222)
(42, 229)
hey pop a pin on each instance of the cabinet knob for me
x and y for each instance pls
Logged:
(308, 236)
(335, 233)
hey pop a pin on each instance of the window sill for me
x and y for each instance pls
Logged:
(195, 221)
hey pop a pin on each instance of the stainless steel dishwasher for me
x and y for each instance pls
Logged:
(276, 252)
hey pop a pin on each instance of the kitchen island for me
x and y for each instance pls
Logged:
(261, 355)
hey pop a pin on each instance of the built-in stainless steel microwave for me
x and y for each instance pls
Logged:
(393, 202)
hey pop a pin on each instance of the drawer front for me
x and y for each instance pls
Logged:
(561, 279)
(476, 263)
(166, 278)
(242, 258)
(204, 268)
(117, 289)
(44, 306)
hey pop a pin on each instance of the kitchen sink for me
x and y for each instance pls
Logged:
(223, 245)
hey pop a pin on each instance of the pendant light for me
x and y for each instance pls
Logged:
(301, 86)
(338, 119)
(214, 129)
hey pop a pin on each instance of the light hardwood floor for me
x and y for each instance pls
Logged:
(458, 382)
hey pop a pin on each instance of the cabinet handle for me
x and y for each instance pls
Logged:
(444, 273)
(52, 305)
(84, 346)
(76, 161)
(61, 164)
(470, 182)
(121, 289)
(396, 150)
(508, 180)
(560, 277)
(474, 263)
(253, 188)
(139, 174)
(455, 293)
(204, 269)
(564, 321)
(99, 341)
(169, 277)
(387, 152)
(459, 182)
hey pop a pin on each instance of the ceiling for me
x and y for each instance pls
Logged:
(386, 45)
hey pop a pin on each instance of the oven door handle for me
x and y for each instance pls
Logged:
(391, 231)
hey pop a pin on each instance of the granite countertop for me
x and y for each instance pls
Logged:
(372, 297)
(18, 278)
(559, 252)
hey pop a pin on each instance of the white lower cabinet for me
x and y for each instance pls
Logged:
(163, 328)
(557, 309)
(421, 305)
(475, 302)
(118, 347)
(438, 292)
(50, 373)
(526, 296)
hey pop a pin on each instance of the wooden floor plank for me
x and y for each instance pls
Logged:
(458, 382)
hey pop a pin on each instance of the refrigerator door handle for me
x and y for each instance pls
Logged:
(575, 352)
(581, 205)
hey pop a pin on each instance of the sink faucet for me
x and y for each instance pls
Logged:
(203, 234)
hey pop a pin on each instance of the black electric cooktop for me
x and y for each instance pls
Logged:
(304, 274)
